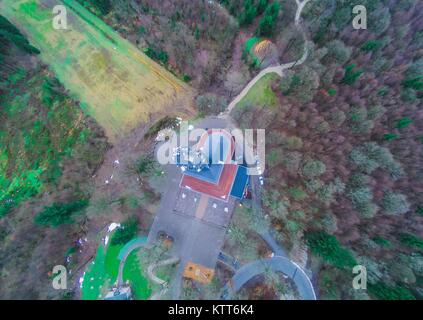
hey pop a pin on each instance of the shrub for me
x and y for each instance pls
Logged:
(293, 143)
(267, 24)
(351, 76)
(126, 232)
(102, 6)
(337, 117)
(329, 223)
(370, 156)
(301, 84)
(361, 198)
(409, 95)
(416, 263)
(403, 122)
(360, 195)
(358, 180)
(157, 55)
(248, 14)
(277, 206)
(362, 161)
(383, 291)
(314, 185)
(372, 45)
(382, 242)
(59, 213)
(338, 52)
(326, 192)
(313, 168)
(298, 193)
(390, 136)
(328, 247)
(412, 241)
(274, 157)
(144, 166)
(367, 209)
(292, 161)
(210, 104)
(375, 112)
(9, 33)
(323, 127)
(395, 203)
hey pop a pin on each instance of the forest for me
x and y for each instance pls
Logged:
(48, 151)
(344, 148)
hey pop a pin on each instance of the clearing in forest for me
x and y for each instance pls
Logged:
(261, 94)
(115, 82)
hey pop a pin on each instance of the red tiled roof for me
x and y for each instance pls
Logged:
(220, 191)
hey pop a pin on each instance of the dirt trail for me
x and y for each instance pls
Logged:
(154, 278)
(238, 49)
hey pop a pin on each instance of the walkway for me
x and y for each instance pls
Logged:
(278, 264)
(126, 251)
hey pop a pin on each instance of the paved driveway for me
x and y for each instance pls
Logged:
(196, 240)
(279, 264)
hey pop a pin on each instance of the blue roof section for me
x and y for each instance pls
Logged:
(209, 174)
(216, 148)
(240, 183)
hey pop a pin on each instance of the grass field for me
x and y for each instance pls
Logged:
(102, 274)
(249, 45)
(132, 272)
(261, 94)
(116, 83)
(96, 281)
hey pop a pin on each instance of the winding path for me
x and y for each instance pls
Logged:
(126, 251)
(160, 282)
(275, 69)
(278, 264)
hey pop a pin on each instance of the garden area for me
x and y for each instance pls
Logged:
(103, 272)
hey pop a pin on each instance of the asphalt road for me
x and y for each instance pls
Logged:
(279, 264)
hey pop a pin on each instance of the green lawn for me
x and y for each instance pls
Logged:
(112, 261)
(96, 280)
(132, 272)
(261, 94)
(249, 45)
(103, 273)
